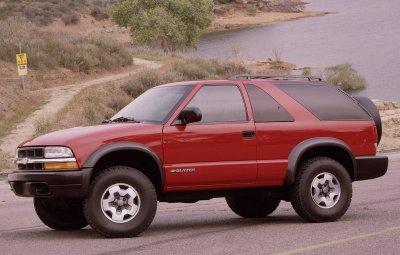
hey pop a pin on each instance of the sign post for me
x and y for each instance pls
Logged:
(22, 65)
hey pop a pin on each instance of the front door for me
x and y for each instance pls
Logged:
(218, 151)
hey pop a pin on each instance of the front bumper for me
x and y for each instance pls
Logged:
(50, 184)
(370, 167)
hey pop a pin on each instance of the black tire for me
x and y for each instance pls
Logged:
(301, 192)
(60, 214)
(124, 179)
(370, 107)
(253, 207)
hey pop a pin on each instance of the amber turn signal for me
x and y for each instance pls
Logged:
(61, 166)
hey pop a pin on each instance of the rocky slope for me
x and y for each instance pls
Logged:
(390, 115)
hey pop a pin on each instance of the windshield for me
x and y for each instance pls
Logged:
(155, 105)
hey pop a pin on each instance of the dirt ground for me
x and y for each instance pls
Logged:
(58, 98)
(390, 115)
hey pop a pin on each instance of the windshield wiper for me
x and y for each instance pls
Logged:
(121, 119)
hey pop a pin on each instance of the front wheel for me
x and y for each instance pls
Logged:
(322, 191)
(60, 214)
(121, 202)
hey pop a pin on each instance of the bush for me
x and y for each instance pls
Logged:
(251, 9)
(70, 18)
(98, 13)
(307, 71)
(45, 12)
(39, 13)
(142, 81)
(345, 77)
(224, 1)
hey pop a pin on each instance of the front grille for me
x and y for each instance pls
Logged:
(33, 153)
(30, 153)
(31, 166)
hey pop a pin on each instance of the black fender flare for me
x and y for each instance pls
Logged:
(303, 147)
(119, 146)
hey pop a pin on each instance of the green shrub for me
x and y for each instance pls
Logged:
(251, 9)
(345, 77)
(307, 71)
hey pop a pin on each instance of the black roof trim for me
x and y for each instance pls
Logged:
(273, 77)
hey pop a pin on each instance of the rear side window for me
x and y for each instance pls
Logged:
(222, 103)
(325, 101)
(265, 108)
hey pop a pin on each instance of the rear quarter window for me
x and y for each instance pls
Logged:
(265, 108)
(325, 101)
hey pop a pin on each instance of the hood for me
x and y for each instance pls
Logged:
(105, 133)
(85, 140)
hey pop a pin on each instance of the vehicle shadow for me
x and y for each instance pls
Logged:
(201, 225)
(233, 222)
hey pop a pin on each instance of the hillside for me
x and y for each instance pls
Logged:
(74, 41)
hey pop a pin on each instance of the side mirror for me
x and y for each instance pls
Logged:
(190, 115)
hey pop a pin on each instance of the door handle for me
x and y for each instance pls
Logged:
(248, 133)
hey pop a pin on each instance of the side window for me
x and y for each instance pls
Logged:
(265, 108)
(220, 104)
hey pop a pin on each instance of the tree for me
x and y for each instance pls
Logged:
(171, 23)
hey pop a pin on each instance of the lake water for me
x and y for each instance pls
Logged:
(365, 33)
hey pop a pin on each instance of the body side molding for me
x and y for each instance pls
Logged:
(306, 145)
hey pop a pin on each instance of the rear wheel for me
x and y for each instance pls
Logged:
(252, 207)
(121, 202)
(60, 214)
(322, 191)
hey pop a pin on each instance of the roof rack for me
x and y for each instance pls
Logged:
(273, 77)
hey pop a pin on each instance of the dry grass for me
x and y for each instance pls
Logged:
(17, 105)
(95, 104)
(6, 163)
(51, 50)
(44, 13)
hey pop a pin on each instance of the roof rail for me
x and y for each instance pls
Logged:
(273, 77)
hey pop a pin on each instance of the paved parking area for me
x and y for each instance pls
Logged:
(371, 226)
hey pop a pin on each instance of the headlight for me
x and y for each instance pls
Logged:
(58, 152)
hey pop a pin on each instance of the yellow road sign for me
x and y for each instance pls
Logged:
(22, 59)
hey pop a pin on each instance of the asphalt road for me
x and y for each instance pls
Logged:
(371, 226)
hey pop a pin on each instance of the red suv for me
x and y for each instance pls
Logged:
(253, 139)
